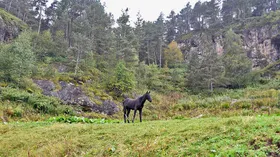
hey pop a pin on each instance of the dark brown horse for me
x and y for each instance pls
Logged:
(135, 104)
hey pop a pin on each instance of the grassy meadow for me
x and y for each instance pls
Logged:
(234, 136)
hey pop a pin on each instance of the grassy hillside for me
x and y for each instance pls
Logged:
(235, 136)
(19, 105)
(12, 20)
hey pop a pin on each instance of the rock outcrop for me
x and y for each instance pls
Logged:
(74, 95)
(10, 26)
(262, 43)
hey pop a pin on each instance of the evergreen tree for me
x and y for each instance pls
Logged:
(149, 44)
(171, 27)
(160, 30)
(237, 65)
(212, 12)
(198, 16)
(228, 11)
(205, 69)
(184, 21)
(126, 41)
(40, 6)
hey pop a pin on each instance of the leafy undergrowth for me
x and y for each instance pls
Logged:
(235, 136)
(75, 119)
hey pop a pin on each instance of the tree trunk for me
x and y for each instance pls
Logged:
(69, 32)
(211, 87)
(160, 52)
(40, 18)
(24, 17)
(10, 5)
(148, 49)
(155, 53)
(77, 61)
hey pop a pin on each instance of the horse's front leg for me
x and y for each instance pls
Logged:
(140, 114)
(135, 110)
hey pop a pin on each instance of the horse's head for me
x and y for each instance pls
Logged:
(148, 97)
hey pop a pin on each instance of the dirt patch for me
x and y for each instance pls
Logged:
(269, 142)
(252, 142)
(278, 145)
(271, 148)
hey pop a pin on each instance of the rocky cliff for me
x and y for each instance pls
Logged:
(260, 36)
(71, 94)
(10, 26)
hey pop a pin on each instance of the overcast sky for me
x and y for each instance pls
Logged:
(149, 9)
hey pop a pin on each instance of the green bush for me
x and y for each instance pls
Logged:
(75, 119)
(17, 58)
(122, 81)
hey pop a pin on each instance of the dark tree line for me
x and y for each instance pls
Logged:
(147, 39)
(77, 30)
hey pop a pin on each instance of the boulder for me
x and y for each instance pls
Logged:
(10, 26)
(73, 95)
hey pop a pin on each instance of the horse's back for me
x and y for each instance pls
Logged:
(125, 101)
(129, 103)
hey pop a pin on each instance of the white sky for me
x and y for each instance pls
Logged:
(149, 9)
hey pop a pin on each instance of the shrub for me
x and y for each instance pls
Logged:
(75, 119)
(17, 58)
(122, 81)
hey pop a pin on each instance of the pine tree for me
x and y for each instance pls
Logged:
(198, 16)
(212, 12)
(184, 21)
(237, 65)
(159, 24)
(171, 27)
(205, 69)
(126, 41)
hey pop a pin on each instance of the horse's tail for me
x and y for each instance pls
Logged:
(123, 104)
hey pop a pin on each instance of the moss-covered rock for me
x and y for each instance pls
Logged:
(72, 94)
(10, 26)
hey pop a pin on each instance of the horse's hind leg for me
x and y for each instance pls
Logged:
(124, 114)
(128, 111)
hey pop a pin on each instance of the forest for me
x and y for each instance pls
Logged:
(212, 69)
(83, 36)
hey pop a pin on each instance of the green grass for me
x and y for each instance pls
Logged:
(235, 136)
(75, 119)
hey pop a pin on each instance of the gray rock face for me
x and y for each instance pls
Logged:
(74, 95)
(261, 44)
